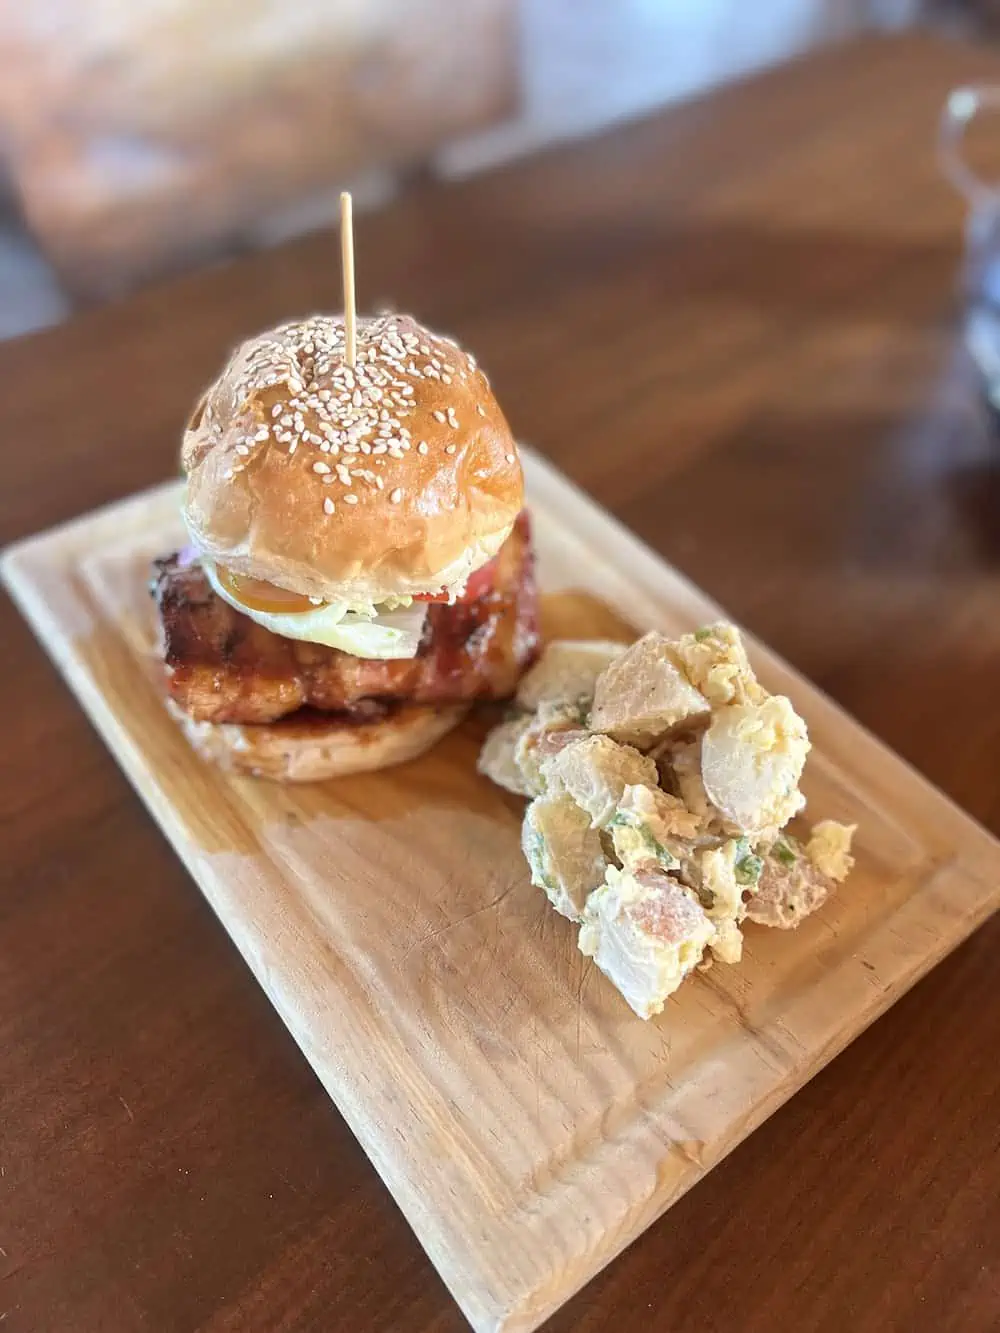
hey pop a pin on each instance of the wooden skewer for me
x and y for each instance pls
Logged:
(347, 266)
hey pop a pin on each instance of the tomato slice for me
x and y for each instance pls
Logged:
(479, 583)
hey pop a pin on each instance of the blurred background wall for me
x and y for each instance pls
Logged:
(140, 138)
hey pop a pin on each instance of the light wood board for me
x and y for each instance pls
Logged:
(526, 1122)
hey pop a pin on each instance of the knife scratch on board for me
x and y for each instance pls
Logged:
(466, 916)
(584, 973)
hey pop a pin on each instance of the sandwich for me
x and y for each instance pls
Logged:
(359, 568)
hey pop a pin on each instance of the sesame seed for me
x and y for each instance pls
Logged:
(396, 495)
(352, 448)
(262, 434)
(439, 415)
(320, 467)
(350, 499)
(276, 410)
(328, 506)
(243, 449)
(446, 379)
(422, 447)
(480, 409)
(451, 448)
(379, 448)
(380, 483)
(510, 458)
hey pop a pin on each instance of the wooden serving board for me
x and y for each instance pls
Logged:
(526, 1122)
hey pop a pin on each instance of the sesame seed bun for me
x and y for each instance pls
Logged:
(311, 747)
(396, 478)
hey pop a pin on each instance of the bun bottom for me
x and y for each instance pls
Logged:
(310, 746)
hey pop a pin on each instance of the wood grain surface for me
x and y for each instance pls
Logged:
(737, 326)
(527, 1124)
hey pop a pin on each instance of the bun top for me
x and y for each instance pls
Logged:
(396, 477)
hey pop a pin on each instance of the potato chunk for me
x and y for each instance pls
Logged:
(650, 825)
(563, 852)
(791, 887)
(554, 726)
(567, 670)
(497, 757)
(645, 932)
(644, 695)
(752, 757)
(595, 772)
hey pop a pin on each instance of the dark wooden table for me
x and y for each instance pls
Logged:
(736, 324)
